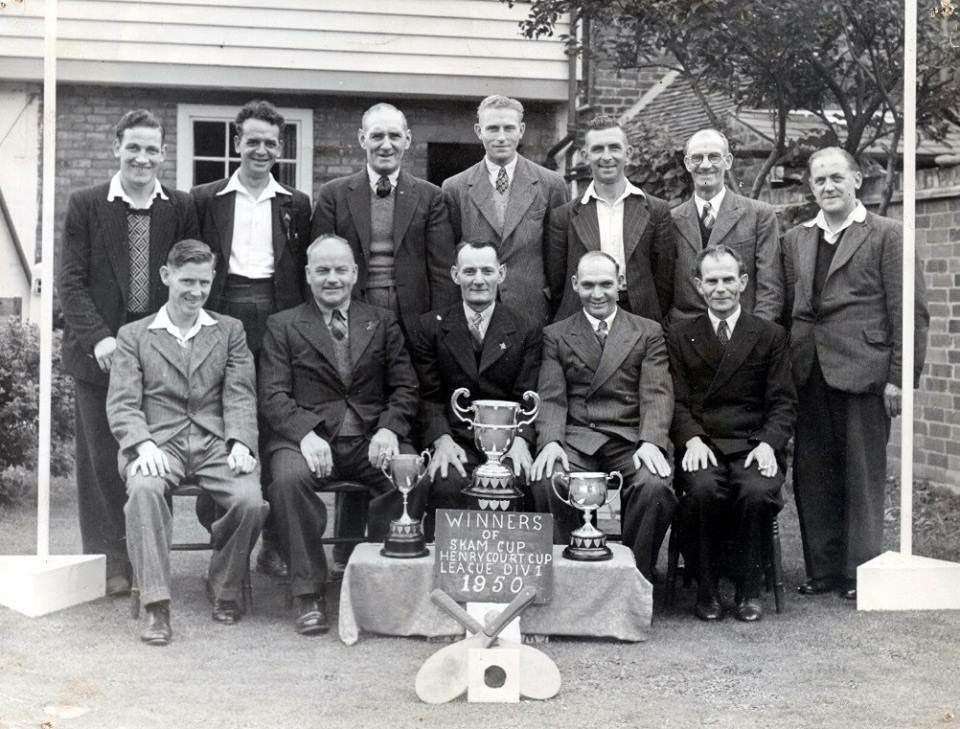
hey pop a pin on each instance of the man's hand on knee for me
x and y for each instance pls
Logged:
(547, 460)
(697, 456)
(447, 453)
(150, 461)
(765, 459)
(652, 458)
(384, 445)
(240, 459)
(316, 452)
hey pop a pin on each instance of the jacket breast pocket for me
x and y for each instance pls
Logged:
(876, 337)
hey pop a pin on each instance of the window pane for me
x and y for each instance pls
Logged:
(207, 171)
(234, 166)
(286, 172)
(233, 148)
(209, 138)
(289, 139)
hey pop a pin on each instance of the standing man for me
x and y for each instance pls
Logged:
(259, 230)
(182, 403)
(339, 393)
(734, 413)
(480, 344)
(607, 401)
(116, 237)
(617, 218)
(844, 278)
(508, 199)
(715, 215)
(396, 224)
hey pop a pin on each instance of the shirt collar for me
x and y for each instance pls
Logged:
(486, 314)
(116, 191)
(162, 321)
(630, 189)
(857, 215)
(594, 322)
(272, 189)
(731, 320)
(327, 314)
(714, 202)
(373, 176)
(493, 169)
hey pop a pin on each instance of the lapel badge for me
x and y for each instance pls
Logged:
(503, 346)
(439, 318)
(371, 325)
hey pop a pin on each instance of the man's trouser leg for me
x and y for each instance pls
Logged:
(100, 490)
(754, 500)
(700, 516)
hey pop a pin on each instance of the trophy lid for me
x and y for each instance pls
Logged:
(509, 404)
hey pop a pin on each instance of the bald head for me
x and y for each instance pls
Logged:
(707, 136)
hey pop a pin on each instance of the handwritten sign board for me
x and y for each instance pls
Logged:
(490, 556)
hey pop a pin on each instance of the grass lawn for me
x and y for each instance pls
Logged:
(819, 664)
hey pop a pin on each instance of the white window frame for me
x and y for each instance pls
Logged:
(187, 114)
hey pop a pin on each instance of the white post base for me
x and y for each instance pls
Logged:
(894, 581)
(37, 586)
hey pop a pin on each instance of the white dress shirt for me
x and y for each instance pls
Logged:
(162, 321)
(714, 203)
(251, 252)
(595, 323)
(116, 191)
(485, 316)
(857, 215)
(493, 169)
(610, 221)
(731, 321)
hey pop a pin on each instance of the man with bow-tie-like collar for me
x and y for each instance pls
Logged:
(481, 344)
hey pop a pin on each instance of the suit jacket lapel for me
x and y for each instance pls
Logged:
(405, 203)
(636, 215)
(169, 349)
(582, 340)
(585, 223)
(458, 341)
(162, 223)
(852, 239)
(280, 208)
(743, 340)
(114, 214)
(705, 343)
(523, 191)
(481, 192)
(358, 201)
(203, 343)
(620, 341)
(727, 217)
(222, 211)
(310, 325)
(498, 339)
(362, 326)
(806, 262)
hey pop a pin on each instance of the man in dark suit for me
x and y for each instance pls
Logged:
(182, 402)
(259, 229)
(607, 401)
(484, 346)
(339, 392)
(844, 280)
(618, 218)
(508, 199)
(716, 214)
(116, 237)
(734, 413)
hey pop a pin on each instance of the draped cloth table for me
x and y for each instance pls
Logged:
(595, 599)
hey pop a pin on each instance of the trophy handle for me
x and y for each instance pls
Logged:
(610, 477)
(529, 415)
(425, 464)
(562, 475)
(384, 464)
(459, 411)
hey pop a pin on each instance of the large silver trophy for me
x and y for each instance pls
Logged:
(587, 491)
(495, 424)
(405, 538)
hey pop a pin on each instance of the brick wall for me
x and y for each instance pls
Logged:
(614, 91)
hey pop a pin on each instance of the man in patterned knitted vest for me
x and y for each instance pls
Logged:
(116, 237)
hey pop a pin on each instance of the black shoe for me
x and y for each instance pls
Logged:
(817, 585)
(226, 611)
(158, 630)
(848, 589)
(708, 608)
(311, 615)
(749, 610)
(269, 562)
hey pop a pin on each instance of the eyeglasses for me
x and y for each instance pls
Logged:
(695, 160)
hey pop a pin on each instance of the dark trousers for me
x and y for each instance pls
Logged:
(100, 490)
(301, 517)
(647, 501)
(727, 501)
(840, 470)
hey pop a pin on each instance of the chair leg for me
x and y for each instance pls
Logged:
(777, 559)
(673, 558)
(134, 602)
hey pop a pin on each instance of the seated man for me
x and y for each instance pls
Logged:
(735, 410)
(485, 346)
(607, 404)
(339, 392)
(182, 403)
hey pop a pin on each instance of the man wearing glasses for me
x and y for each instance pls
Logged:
(714, 215)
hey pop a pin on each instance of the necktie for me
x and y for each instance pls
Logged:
(338, 325)
(503, 181)
(138, 232)
(723, 333)
(707, 219)
(475, 322)
(602, 332)
(383, 186)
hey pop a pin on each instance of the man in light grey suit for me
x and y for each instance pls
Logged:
(844, 279)
(507, 199)
(607, 403)
(716, 214)
(182, 403)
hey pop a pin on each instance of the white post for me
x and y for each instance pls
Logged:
(909, 266)
(46, 273)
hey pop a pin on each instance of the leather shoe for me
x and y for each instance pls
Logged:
(269, 562)
(117, 586)
(226, 611)
(708, 608)
(311, 615)
(848, 590)
(749, 610)
(817, 585)
(158, 630)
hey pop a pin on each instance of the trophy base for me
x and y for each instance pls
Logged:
(405, 541)
(493, 488)
(590, 546)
